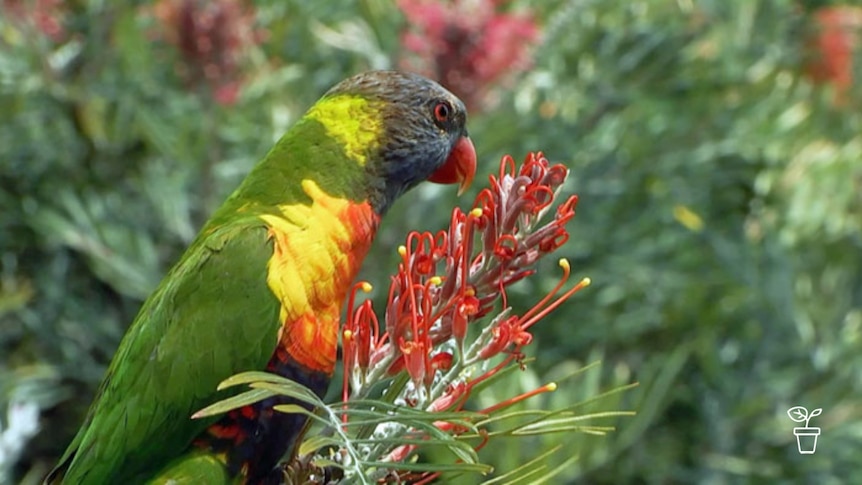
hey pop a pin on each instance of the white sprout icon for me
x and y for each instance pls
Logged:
(806, 438)
(800, 414)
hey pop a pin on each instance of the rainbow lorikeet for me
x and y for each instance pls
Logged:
(262, 285)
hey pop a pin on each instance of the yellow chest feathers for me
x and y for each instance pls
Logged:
(317, 249)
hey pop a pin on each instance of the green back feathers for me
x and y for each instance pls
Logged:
(214, 307)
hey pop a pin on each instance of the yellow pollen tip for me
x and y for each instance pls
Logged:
(435, 280)
(348, 334)
(586, 282)
(402, 250)
(470, 292)
(366, 287)
(688, 218)
(564, 263)
(477, 212)
(551, 386)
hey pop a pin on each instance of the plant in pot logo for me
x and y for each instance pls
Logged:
(806, 437)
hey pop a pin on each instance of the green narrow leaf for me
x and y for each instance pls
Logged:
(556, 470)
(251, 377)
(297, 409)
(240, 400)
(292, 409)
(291, 389)
(592, 430)
(432, 467)
(515, 473)
(314, 443)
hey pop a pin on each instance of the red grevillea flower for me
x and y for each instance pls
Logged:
(438, 326)
(211, 37)
(832, 46)
(468, 44)
(46, 16)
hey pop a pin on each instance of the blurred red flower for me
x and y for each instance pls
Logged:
(832, 47)
(211, 37)
(468, 45)
(45, 15)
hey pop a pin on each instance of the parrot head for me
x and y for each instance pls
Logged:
(421, 133)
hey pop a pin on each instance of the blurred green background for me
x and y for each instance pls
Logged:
(715, 145)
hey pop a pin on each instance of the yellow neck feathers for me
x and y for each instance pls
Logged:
(353, 121)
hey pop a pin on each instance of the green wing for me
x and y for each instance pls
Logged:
(211, 317)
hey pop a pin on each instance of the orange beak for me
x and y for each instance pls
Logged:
(459, 168)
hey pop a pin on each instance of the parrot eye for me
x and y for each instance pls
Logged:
(442, 112)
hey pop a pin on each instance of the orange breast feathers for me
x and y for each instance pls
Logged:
(317, 251)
